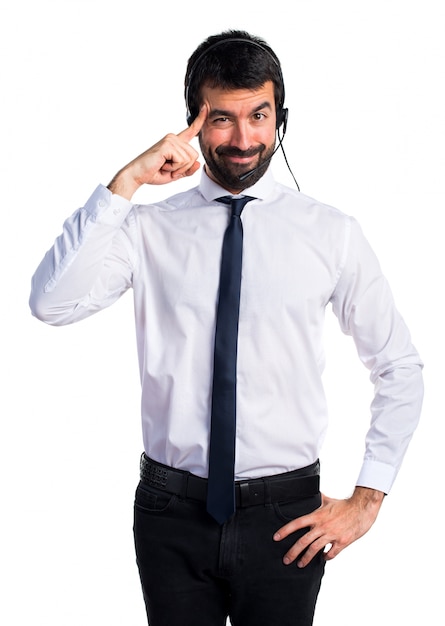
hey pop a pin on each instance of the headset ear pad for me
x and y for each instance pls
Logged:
(282, 115)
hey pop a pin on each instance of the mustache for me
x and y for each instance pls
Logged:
(236, 152)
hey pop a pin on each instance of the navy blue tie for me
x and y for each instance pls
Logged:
(221, 488)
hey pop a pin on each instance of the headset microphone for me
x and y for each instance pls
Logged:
(243, 177)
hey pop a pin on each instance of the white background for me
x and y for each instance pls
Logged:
(86, 85)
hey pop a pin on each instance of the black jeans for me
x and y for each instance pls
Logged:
(197, 573)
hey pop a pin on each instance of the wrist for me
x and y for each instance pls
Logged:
(366, 496)
(124, 184)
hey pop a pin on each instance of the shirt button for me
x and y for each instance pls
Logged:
(102, 203)
(116, 211)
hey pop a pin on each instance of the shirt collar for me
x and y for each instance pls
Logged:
(261, 189)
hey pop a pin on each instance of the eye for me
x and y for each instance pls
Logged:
(221, 121)
(259, 117)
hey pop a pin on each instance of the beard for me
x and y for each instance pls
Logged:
(227, 173)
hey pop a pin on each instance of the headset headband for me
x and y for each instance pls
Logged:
(281, 112)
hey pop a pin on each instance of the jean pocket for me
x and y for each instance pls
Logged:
(151, 500)
(288, 511)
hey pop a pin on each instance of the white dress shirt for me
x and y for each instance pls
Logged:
(299, 255)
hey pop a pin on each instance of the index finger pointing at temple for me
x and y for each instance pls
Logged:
(195, 126)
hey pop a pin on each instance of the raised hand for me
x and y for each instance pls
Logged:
(169, 159)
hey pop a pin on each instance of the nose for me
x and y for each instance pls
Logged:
(241, 135)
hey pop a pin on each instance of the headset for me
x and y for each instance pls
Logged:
(282, 113)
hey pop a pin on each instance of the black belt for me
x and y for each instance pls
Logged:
(300, 483)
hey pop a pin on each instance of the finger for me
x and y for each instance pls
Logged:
(175, 173)
(182, 168)
(304, 521)
(300, 547)
(195, 167)
(191, 131)
(179, 156)
(330, 551)
(188, 172)
(297, 524)
(305, 549)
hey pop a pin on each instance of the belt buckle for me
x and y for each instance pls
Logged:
(251, 492)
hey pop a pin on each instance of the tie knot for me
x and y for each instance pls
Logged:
(236, 204)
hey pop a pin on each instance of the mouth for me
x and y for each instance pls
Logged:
(241, 160)
(235, 155)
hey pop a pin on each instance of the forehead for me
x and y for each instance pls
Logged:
(236, 99)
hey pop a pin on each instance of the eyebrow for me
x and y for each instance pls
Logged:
(226, 113)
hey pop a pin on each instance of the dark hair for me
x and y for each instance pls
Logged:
(233, 59)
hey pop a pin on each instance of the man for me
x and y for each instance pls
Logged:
(208, 549)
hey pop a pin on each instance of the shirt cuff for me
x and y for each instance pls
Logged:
(376, 475)
(108, 208)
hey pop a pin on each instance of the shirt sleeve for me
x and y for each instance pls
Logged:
(365, 308)
(89, 266)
